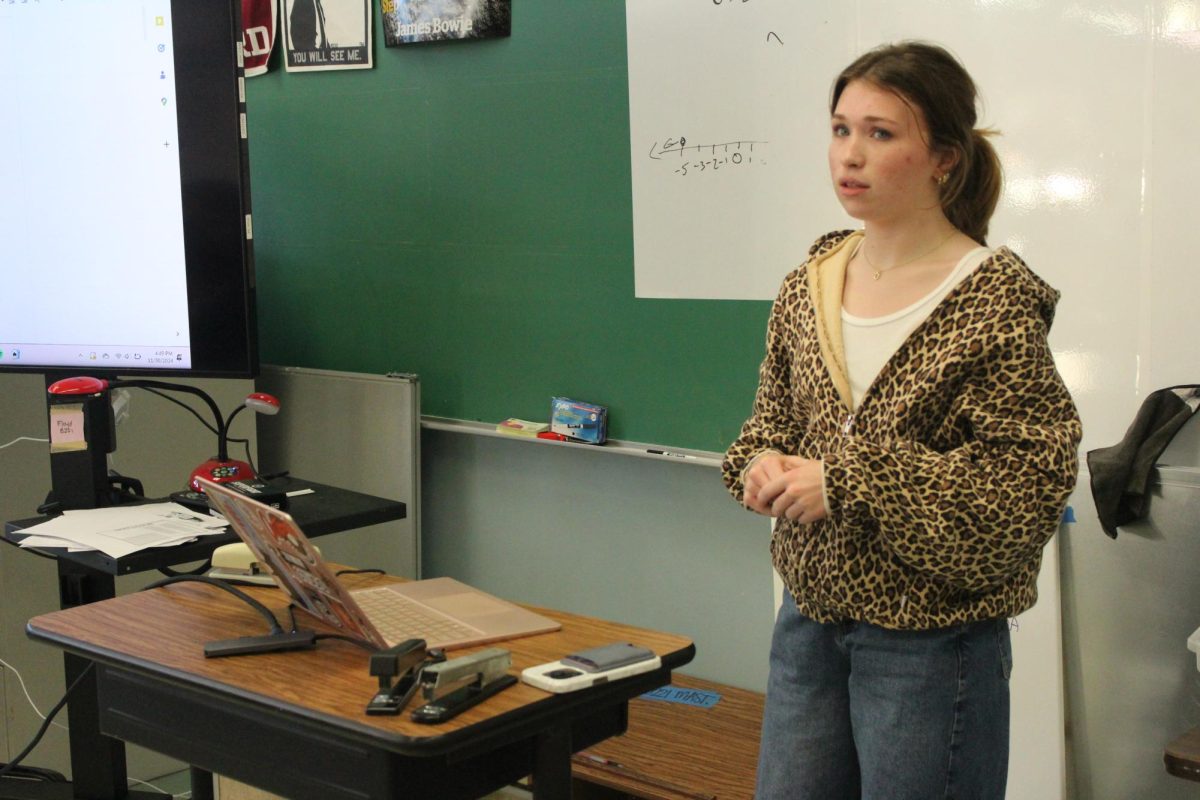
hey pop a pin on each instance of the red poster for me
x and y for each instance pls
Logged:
(258, 34)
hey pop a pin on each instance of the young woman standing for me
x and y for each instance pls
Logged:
(916, 445)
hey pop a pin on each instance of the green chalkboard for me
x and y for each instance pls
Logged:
(463, 211)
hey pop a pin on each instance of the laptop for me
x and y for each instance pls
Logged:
(442, 611)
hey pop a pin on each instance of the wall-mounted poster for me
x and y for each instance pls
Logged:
(411, 21)
(326, 34)
(258, 34)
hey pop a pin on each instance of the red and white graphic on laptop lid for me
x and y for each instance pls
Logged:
(280, 546)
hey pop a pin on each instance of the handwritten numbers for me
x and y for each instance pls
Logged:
(708, 157)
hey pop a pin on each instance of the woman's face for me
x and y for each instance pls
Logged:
(879, 158)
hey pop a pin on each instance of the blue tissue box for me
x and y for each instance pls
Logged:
(581, 422)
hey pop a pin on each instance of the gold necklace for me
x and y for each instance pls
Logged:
(877, 273)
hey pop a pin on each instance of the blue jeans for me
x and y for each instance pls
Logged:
(858, 711)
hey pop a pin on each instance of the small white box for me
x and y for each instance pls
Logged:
(1194, 645)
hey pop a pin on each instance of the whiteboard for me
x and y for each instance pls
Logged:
(728, 129)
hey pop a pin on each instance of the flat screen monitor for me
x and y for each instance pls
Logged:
(125, 228)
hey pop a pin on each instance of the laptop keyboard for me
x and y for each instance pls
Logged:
(398, 618)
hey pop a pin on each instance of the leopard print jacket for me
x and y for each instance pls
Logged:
(945, 483)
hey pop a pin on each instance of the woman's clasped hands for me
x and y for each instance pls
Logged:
(786, 486)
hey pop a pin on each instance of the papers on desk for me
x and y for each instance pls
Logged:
(121, 530)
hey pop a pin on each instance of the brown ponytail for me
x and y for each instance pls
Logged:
(934, 83)
(972, 191)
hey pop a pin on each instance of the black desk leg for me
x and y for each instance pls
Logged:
(97, 761)
(202, 784)
(552, 764)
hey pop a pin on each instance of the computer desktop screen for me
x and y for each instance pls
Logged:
(125, 229)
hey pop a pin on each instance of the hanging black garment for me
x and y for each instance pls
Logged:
(1121, 473)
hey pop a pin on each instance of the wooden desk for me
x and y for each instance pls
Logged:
(97, 762)
(674, 751)
(294, 723)
(1182, 756)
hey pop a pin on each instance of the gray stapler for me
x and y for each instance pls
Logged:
(455, 685)
(484, 667)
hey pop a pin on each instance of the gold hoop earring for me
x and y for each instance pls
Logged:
(941, 181)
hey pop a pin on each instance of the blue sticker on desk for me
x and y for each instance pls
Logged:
(680, 694)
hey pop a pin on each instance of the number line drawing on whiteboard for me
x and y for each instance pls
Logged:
(680, 146)
(757, 76)
(743, 154)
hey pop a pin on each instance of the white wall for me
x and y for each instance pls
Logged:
(1129, 606)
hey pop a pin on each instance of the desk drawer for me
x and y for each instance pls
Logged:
(284, 753)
